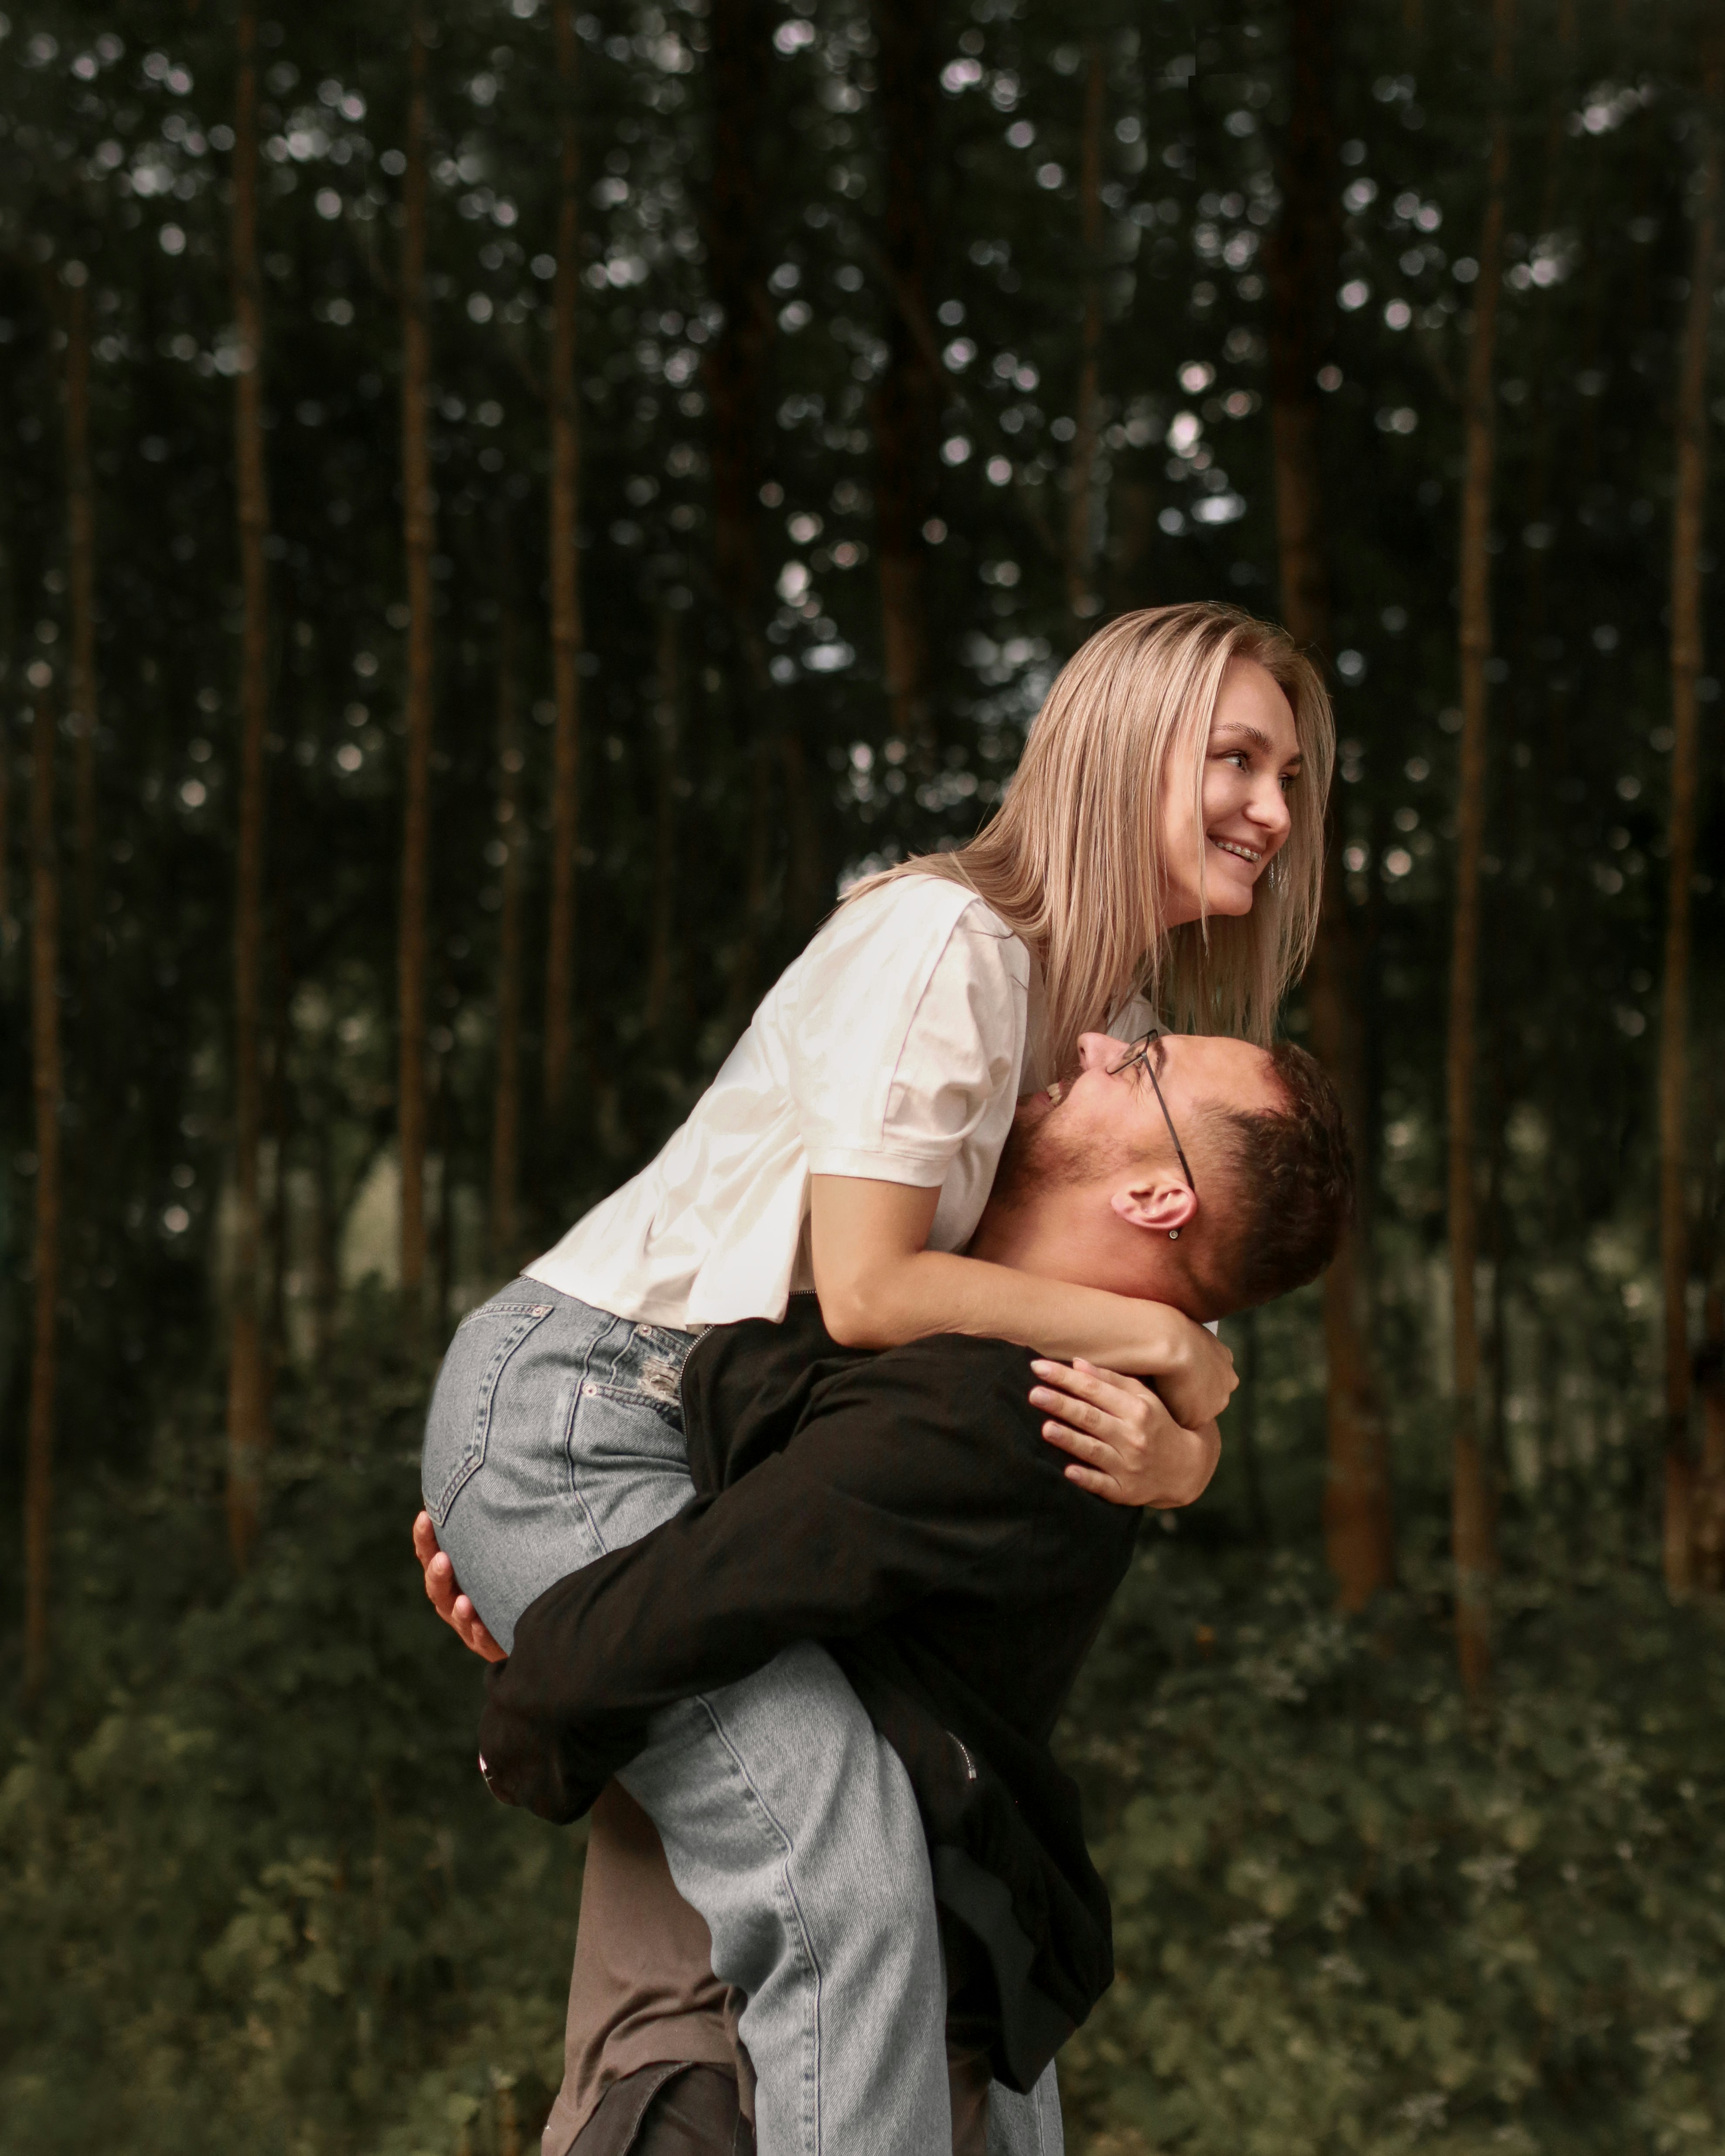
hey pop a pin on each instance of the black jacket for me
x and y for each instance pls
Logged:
(904, 1509)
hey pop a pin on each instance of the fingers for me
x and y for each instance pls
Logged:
(1099, 1486)
(1085, 1381)
(1079, 1414)
(1133, 1462)
(444, 1594)
(471, 1627)
(441, 1590)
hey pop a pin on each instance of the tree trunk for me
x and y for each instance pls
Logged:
(1359, 1530)
(507, 1113)
(248, 1383)
(736, 374)
(566, 629)
(279, 1216)
(443, 1234)
(1472, 1509)
(80, 567)
(1710, 1484)
(46, 1084)
(9, 924)
(907, 402)
(1687, 525)
(667, 729)
(418, 532)
(1082, 599)
(325, 1282)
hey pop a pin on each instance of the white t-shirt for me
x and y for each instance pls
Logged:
(894, 1049)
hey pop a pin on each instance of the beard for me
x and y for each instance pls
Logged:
(1044, 1155)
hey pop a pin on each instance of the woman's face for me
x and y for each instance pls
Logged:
(1250, 763)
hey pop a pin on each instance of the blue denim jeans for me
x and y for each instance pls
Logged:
(556, 1434)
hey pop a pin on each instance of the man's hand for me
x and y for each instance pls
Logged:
(446, 1598)
(1126, 1445)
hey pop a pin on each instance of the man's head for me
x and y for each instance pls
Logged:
(1092, 1188)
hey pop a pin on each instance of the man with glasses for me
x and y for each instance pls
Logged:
(930, 1520)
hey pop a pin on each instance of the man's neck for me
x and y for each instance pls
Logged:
(1077, 1241)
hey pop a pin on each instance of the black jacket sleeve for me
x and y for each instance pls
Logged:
(882, 1501)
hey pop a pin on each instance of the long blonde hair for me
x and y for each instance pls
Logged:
(1073, 860)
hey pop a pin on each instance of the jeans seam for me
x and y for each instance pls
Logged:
(577, 1394)
(528, 1317)
(785, 1846)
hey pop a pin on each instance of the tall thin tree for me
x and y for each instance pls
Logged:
(1082, 599)
(80, 593)
(1359, 1539)
(667, 731)
(907, 401)
(512, 836)
(735, 375)
(566, 624)
(1472, 1529)
(248, 1377)
(9, 924)
(418, 536)
(46, 1084)
(1686, 616)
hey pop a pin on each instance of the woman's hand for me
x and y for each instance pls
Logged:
(446, 1598)
(1126, 1445)
(1193, 1371)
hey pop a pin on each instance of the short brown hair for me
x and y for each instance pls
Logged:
(1293, 1176)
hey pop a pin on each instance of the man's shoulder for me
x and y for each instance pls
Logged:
(958, 1378)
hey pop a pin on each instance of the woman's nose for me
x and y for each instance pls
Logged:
(1268, 809)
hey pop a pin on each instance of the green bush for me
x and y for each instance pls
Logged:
(255, 1895)
(255, 1892)
(1350, 1916)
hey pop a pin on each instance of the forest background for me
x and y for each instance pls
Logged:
(507, 508)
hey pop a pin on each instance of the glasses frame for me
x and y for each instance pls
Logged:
(1139, 1059)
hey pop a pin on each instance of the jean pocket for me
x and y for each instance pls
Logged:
(458, 1427)
(645, 1370)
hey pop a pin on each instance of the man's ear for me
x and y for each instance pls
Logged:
(1166, 1205)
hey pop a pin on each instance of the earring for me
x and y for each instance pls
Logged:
(1173, 1235)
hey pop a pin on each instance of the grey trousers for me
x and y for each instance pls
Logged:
(555, 1435)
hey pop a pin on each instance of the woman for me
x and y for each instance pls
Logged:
(1161, 839)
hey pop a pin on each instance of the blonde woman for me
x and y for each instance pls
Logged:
(1161, 842)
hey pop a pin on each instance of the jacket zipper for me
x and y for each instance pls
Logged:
(969, 1764)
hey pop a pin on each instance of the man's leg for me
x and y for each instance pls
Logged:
(668, 2110)
(790, 1824)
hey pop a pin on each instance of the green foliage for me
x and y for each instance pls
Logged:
(1351, 1916)
(255, 1890)
(255, 1895)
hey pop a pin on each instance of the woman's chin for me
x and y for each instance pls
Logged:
(1231, 895)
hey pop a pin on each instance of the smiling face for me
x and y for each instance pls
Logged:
(1250, 762)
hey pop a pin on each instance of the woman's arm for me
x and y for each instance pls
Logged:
(880, 1286)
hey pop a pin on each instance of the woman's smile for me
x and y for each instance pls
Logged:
(1238, 847)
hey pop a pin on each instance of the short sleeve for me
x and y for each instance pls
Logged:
(909, 1027)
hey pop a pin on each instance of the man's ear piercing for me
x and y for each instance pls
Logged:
(1173, 1235)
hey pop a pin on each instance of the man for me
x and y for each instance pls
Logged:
(903, 1509)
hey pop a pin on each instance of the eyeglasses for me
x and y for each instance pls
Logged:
(1139, 1059)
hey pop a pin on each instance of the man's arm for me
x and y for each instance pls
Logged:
(875, 1506)
(1124, 1444)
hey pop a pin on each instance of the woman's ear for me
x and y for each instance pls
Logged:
(1162, 1207)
